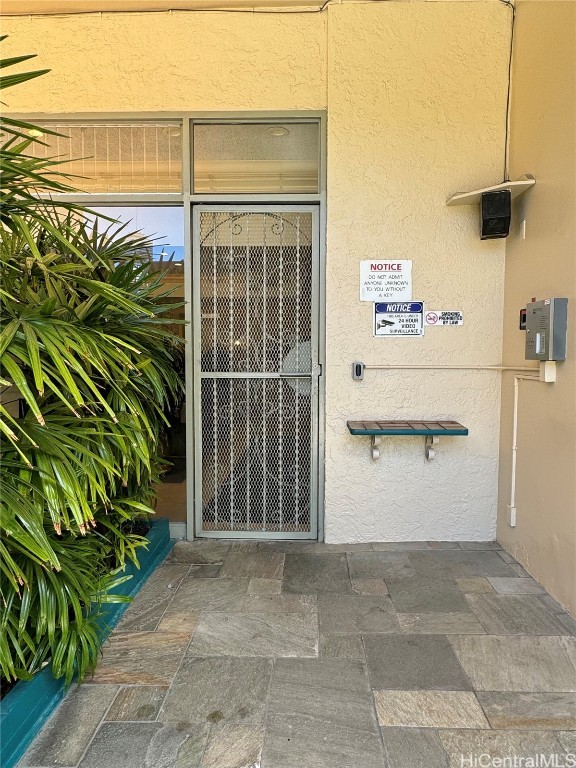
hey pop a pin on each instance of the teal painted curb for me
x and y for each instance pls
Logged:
(29, 704)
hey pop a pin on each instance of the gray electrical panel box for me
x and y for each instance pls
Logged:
(546, 329)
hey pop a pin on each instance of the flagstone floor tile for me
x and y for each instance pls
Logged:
(258, 586)
(476, 584)
(137, 702)
(567, 621)
(199, 552)
(66, 735)
(529, 711)
(552, 604)
(425, 595)
(141, 658)
(295, 741)
(569, 644)
(400, 546)
(459, 564)
(519, 571)
(278, 603)
(515, 615)
(147, 607)
(500, 745)
(380, 565)
(568, 741)
(429, 709)
(309, 573)
(219, 690)
(369, 587)
(233, 746)
(325, 549)
(408, 662)
(440, 623)
(505, 585)
(331, 690)
(204, 571)
(289, 547)
(257, 564)
(516, 663)
(183, 622)
(412, 747)
(255, 634)
(341, 646)
(285, 654)
(356, 614)
(207, 594)
(147, 745)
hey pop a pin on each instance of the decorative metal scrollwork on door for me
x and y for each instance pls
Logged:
(256, 369)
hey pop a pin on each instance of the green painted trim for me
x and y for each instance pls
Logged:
(417, 432)
(30, 703)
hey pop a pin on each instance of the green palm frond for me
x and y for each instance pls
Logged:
(25, 178)
(54, 615)
(85, 342)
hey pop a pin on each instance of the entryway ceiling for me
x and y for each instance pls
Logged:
(50, 7)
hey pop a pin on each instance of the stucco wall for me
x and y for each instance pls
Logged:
(543, 265)
(415, 94)
(416, 98)
(189, 61)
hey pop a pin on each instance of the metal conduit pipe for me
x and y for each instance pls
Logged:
(512, 505)
(542, 373)
(451, 368)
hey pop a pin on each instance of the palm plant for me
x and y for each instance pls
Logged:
(24, 178)
(86, 346)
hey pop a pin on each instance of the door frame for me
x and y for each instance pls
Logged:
(189, 198)
(316, 375)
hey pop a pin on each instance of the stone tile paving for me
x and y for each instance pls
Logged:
(307, 655)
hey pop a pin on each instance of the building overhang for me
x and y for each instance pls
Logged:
(67, 7)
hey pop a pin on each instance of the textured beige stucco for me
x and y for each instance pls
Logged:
(543, 265)
(415, 93)
(416, 98)
(193, 61)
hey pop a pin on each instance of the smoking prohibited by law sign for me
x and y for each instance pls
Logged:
(386, 280)
(399, 318)
(444, 317)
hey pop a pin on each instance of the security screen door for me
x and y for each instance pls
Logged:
(257, 370)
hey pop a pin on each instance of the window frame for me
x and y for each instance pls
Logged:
(186, 199)
(187, 121)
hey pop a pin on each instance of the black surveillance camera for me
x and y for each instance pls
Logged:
(495, 214)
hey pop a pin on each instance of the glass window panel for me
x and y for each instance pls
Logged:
(117, 157)
(256, 157)
(163, 224)
(166, 226)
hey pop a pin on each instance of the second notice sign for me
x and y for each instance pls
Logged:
(399, 318)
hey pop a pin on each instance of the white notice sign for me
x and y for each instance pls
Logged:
(386, 280)
(399, 318)
(444, 317)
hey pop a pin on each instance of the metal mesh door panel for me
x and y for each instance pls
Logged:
(256, 291)
(256, 300)
(256, 455)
